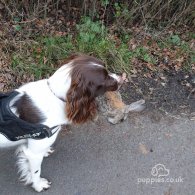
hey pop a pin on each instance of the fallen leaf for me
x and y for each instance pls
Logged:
(1, 86)
(44, 60)
(168, 134)
(124, 75)
(143, 149)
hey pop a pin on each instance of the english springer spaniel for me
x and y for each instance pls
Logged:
(32, 115)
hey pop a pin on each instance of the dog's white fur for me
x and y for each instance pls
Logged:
(31, 152)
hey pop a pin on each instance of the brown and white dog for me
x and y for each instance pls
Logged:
(68, 96)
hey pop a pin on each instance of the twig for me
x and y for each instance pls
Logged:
(192, 91)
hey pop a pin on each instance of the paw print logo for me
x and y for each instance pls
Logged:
(159, 170)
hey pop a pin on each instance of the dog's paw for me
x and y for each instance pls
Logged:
(49, 152)
(42, 185)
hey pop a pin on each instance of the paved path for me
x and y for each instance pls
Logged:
(102, 159)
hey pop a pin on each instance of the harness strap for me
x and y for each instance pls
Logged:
(15, 128)
(50, 131)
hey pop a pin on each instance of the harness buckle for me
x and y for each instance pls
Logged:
(47, 131)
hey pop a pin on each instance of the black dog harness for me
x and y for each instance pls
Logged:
(15, 128)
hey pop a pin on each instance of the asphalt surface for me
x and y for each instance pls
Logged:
(104, 159)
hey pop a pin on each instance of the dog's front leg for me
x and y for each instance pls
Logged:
(29, 164)
(30, 157)
(38, 183)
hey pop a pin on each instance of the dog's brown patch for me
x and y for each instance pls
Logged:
(27, 111)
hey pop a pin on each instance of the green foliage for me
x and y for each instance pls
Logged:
(142, 53)
(17, 27)
(22, 66)
(104, 2)
(44, 55)
(93, 38)
(55, 48)
(174, 39)
(121, 11)
(90, 38)
(90, 33)
(192, 35)
(123, 16)
(192, 59)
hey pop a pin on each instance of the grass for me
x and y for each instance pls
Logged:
(41, 56)
(91, 38)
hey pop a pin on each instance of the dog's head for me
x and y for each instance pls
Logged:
(87, 79)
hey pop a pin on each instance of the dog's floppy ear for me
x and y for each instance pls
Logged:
(89, 79)
(80, 105)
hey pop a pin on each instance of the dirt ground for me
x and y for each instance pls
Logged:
(168, 93)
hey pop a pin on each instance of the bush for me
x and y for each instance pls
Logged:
(91, 38)
(123, 12)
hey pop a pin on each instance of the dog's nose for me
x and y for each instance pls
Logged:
(121, 80)
(118, 78)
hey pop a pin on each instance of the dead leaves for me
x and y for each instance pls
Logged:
(10, 79)
(6, 74)
(159, 54)
(143, 149)
(124, 77)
